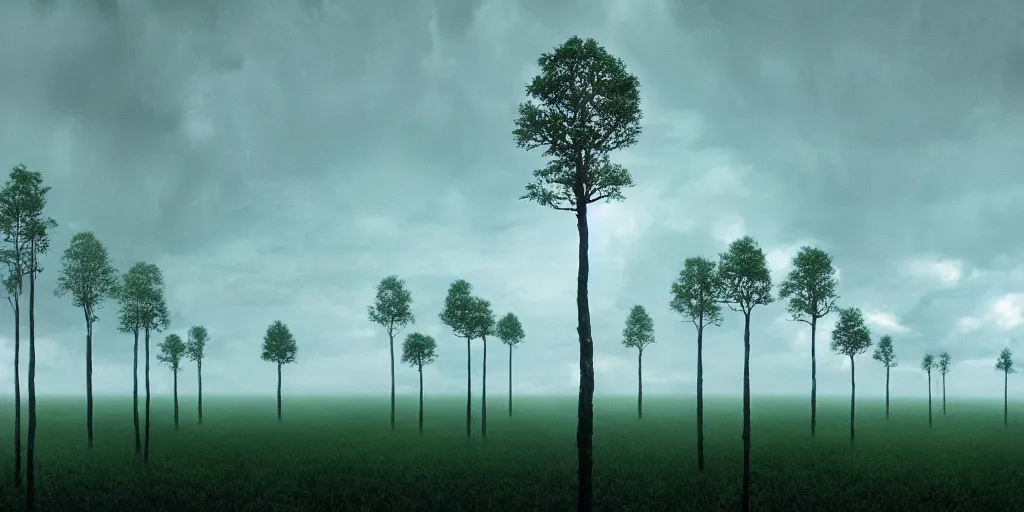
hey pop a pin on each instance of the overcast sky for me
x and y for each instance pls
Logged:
(277, 159)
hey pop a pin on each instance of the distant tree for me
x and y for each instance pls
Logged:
(458, 305)
(851, 337)
(172, 350)
(746, 282)
(1005, 365)
(279, 347)
(638, 333)
(88, 276)
(22, 201)
(392, 309)
(481, 322)
(811, 290)
(195, 350)
(944, 365)
(584, 105)
(417, 351)
(927, 364)
(885, 355)
(510, 332)
(695, 296)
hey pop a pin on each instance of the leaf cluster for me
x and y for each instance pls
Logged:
(509, 330)
(944, 364)
(810, 286)
(195, 347)
(143, 305)
(457, 307)
(1005, 361)
(392, 307)
(884, 352)
(278, 344)
(695, 293)
(171, 352)
(746, 280)
(26, 231)
(639, 330)
(851, 335)
(419, 350)
(87, 274)
(928, 363)
(563, 186)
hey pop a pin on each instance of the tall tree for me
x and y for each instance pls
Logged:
(458, 305)
(851, 337)
(638, 333)
(88, 276)
(583, 105)
(419, 350)
(1005, 364)
(810, 288)
(944, 365)
(510, 331)
(885, 355)
(392, 309)
(695, 296)
(927, 364)
(172, 350)
(195, 350)
(279, 347)
(22, 201)
(746, 283)
(147, 312)
(481, 323)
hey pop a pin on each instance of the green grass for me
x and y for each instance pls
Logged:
(339, 454)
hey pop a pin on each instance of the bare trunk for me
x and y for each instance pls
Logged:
(199, 373)
(853, 394)
(1006, 403)
(887, 393)
(700, 394)
(175, 399)
(278, 391)
(17, 392)
(510, 381)
(391, 337)
(943, 394)
(585, 413)
(469, 391)
(145, 452)
(421, 399)
(929, 399)
(88, 375)
(483, 394)
(30, 445)
(640, 385)
(745, 499)
(814, 375)
(135, 395)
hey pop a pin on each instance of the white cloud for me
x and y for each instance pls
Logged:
(885, 321)
(1008, 311)
(945, 271)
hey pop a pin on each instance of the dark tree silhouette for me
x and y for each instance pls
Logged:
(172, 350)
(746, 283)
(88, 276)
(418, 351)
(944, 365)
(392, 310)
(195, 350)
(481, 324)
(584, 105)
(1005, 364)
(695, 296)
(885, 355)
(851, 337)
(638, 333)
(927, 364)
(811, 290)
(279, 347)
(456, 314)
(510, 332)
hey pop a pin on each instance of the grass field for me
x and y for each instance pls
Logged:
(339, 454)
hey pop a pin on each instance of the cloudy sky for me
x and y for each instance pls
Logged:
(277, 159)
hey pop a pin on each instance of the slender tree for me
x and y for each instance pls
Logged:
(944, 365)
(639, 334)
(195, 350)
(392, 309)
(885, 355)
(1005, 365)
(510, 331)
(172, 350)
(88, 276)
(851, 337)
(481, 322)
(279, 347)
(927, 364)
(583, 105)
(811, 290)
(694, 295)
(456, 314)
(419, 350)
(746, 283)
(129, 321)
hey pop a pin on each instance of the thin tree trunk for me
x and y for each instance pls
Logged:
(278, 391)
(1006, 403)
(585, 413)
(469, 391)
(421, 399)
(135, 395)
(853, 394)
(17, 391)
(929, 399)
(88, 375)
(943, 394)
(391, 337)
(745, 499)
(640, 385)
(483, 394)
(175, 399)
(145, 452)
(887, 393)
(510, 381)
(199, 372)
(814, 376)
(700, 394)
(30, 445)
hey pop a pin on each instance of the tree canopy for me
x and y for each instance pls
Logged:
(171, 352)
(746, 280)
(458, 305)
(1005, 361)
(639, 330)
(810, 286)
(418, 350)
(87, 274)
(945, 363)
(851, 335)
(22, 200)
(509, 330)
(278, 344)
(695, 293)
(143, 305)
(392, 307)
(928, 362)
(195, 347)
(884, 352)
(480, 318)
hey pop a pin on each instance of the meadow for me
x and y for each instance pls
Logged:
(339, 454)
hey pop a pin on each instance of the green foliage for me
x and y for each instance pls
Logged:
(195, 347)
(278, 344)
(810, 286)
(928, 363)
(639, 330)
(143, 305)
(87, 274)
(1005, 361)
(851, 335)
(22, 201)
(418, 350)
(171, 351)
(480, 319)
(458, 305)
(696, 292)
(392, 308)
(746, 280)
(554, 185)
(884, 352)
(945, 363)
(509, 330)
